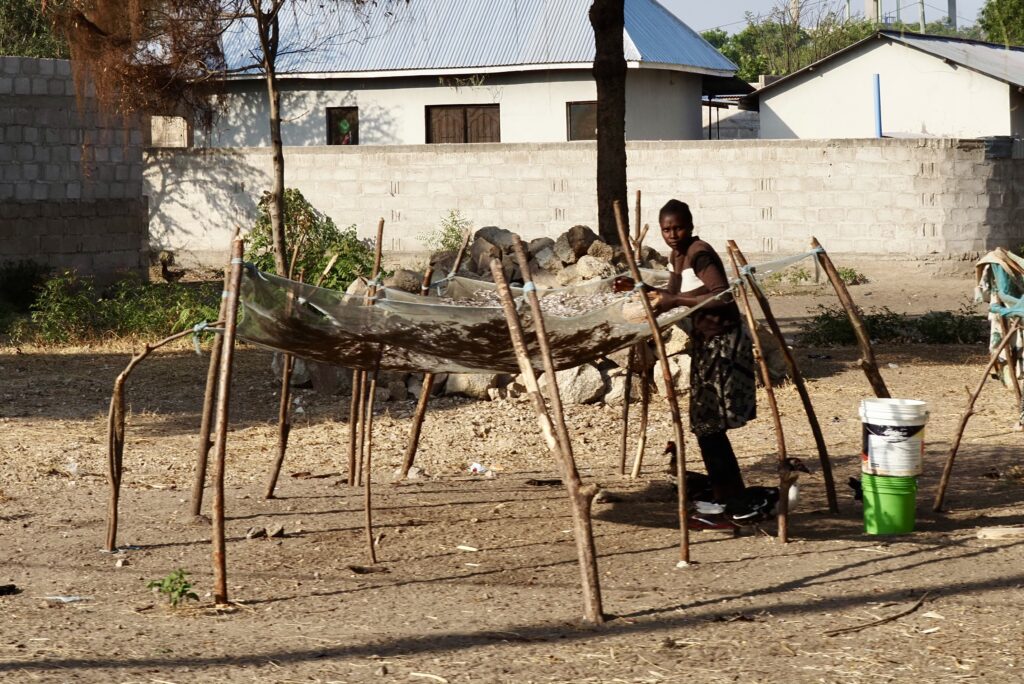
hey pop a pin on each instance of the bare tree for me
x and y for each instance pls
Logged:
(161, 56)
(608, 19)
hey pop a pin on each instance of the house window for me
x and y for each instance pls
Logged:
(463, 124)
(581, 120)
(169, 131)
(342, 125)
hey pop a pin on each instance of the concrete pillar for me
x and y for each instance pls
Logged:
(952, 14)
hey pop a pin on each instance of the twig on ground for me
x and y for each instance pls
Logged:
(882, 621)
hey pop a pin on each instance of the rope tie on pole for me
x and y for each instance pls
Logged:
(197, 329)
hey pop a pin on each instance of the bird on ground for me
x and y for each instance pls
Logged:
(698, 485)
(758, 504)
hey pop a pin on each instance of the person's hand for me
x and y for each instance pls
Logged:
(659, 301)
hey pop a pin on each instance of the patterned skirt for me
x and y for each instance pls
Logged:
(722, 381)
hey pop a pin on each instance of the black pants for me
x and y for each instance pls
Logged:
(720, 462)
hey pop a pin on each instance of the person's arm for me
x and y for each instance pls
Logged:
(706, 268)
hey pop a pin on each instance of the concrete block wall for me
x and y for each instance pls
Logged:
(873, 197)
(70, 177)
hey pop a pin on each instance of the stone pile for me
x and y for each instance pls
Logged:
(575, 256)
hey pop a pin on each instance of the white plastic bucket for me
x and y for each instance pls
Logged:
(893, 436)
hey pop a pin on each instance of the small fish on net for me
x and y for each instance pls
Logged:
(561, 304)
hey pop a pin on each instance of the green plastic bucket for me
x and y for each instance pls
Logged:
(889, 504)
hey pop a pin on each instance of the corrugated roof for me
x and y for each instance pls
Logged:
(998, 61)
(1001, 62)
(321, 37)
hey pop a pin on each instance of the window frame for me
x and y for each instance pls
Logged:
(342, 111)
(568, 119)
(464, 108)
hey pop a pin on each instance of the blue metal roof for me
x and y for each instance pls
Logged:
(320, 37)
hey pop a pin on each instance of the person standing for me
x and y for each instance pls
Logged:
(722, 371)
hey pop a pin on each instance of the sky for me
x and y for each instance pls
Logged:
(728, 14)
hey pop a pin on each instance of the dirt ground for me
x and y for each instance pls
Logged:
(749, 610)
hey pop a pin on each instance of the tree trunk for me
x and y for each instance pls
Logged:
(269, 30)
(608, 19)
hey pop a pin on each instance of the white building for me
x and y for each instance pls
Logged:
(928, 86)
(464, 71)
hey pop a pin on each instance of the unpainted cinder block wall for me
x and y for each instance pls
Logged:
(70, 179)
(888, 197)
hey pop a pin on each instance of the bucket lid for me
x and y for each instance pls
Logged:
(889, 404)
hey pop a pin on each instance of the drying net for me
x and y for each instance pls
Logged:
(458, 327)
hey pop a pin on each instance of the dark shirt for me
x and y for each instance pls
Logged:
(719, 316)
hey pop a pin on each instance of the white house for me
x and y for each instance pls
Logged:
(928, 86)
(459, 71)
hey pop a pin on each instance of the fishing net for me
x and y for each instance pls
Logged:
(458, 327)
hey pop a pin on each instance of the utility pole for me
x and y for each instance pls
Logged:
(794, 11)
(952, 14)
(849, 10)
(921, 5)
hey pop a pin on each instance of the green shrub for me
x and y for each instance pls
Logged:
(448, 236)
(831, 327)
(319, 240)
(175, 587)
(66, 309)
(851, 276)
(69, 308)
(952, 327)
(793, 275)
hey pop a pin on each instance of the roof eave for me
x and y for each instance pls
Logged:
(461, 71)
(703, 71)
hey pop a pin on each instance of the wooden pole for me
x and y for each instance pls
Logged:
(284, 426)
(867, 354)
(798, 380)
(670, 388)
(115, 433)
(628, 393)
(555, 437)
(461, 254)
(947, 470)
(354, 418)
(364, 402)
(421, 403)
(220, 575)
(428, 378)
(769, 390)
(367, 471)
(643, 356)
(626, 398)
(206, 422)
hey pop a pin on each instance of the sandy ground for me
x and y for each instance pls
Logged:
(749, 610)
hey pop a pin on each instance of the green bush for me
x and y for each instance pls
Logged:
(831, 327)
(175, 586)
(851, 276)
(70, 308)
(448, 236)
(319, 240)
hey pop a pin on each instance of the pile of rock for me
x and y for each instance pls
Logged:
(576, 255)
